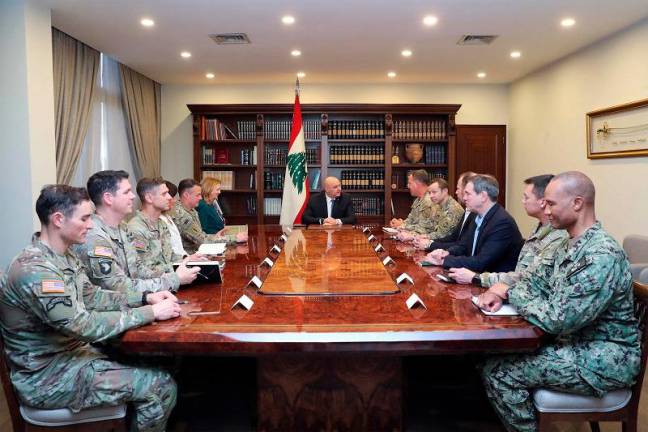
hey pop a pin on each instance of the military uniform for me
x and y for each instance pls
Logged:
(419, 220)
(152, 241)
(582, 294)
(445, 218)
(50, 313)
(542, 237)
(113, 263)
(191, 231)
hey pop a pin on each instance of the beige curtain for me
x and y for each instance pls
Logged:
(141, 100)
(76, 66)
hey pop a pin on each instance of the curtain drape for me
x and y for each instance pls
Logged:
(75, 71)
(141, 101)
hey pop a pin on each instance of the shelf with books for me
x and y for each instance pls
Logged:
(238, 191)
(227, 166)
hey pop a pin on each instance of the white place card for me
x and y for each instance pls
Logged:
(267, 262)
(287, 230)
(403, 277)
(244, 302)
(371, 237)
(255, 281)
(275, 248)
(379, 248)
(387, 260)
(365, 230)
(414, 301)
(283, 238)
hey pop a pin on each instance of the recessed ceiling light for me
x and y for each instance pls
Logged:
(406, 53)
(516, 54)
(288, 19)
(185, 54)
(481, 75)
(568, 22)
(147, 22)
(430, 20)
(295, 53)
(301, 74)
(210, 75)
(391, 74)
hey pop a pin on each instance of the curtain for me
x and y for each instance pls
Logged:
(106, 145)
(76, 66)
(141, 101)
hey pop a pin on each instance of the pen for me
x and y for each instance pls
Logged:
(182, 301)
(200, 274)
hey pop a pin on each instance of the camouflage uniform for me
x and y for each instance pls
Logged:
(445, 218)
(191, 231)
(582, 294)
(419, 220)
(542, 237)
(152, 241)
(50, 313)
(112, 261)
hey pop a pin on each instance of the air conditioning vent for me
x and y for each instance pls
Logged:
(476, 39)
(230, 38)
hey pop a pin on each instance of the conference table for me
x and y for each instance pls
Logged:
(329, 322)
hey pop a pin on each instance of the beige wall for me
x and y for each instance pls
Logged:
(547, 132)
(481, 104)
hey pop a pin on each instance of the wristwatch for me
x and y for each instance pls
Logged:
(144, 294)
(476, 280)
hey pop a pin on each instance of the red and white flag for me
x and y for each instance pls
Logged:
(295, 192)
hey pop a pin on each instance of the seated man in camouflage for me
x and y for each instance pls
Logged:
(543, 236)
(186, 218)
(149, 235)
(50, 313)
(446, 213)
(580, 292)
(419, 219)
(111, 260)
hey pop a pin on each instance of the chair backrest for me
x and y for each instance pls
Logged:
(12, 401)
(641, 311)
(636, 246)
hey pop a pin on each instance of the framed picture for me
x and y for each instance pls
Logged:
(619, 131)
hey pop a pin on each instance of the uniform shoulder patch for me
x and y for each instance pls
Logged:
(139, 244)
(52, 286)
(103, 251)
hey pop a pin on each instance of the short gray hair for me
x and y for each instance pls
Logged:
(485, 183)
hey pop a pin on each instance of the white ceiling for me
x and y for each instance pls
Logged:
(341, 41)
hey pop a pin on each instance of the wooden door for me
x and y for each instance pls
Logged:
(482, 149)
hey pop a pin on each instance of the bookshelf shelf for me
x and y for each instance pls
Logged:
(247, 144)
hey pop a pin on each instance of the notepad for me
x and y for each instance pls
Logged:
(505, 310)
(389, 230)
(212, 248)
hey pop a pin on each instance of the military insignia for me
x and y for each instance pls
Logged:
(138, 244)
(105, 267)
(52, 286)
(103, 251)
(65, 301)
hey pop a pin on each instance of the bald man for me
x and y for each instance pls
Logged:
(580, 292)
(330, 207)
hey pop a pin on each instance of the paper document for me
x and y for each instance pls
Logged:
(390, 230)
(505, 310)
(212, 248)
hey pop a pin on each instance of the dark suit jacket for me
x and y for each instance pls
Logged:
(456, 235)
(498, 244)
(316, 209)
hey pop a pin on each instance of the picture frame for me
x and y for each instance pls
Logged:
(618, 131)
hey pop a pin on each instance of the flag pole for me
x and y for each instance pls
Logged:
(297, 87)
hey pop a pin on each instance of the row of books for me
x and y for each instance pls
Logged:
(249, 156)
(281, 129)
(273, 180)
(362, 179)
(420, 129)
(368, 206)
(226, 178)
(250, 203)
(356, 129)
(352, 155)
(435, 154)
(279, 156)
(211, 156)
(272, 206)
(214, 129)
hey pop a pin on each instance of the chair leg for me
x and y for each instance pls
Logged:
(629, 425)
(594, 426)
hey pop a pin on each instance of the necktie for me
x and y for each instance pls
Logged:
(330, 207)
(475, 239)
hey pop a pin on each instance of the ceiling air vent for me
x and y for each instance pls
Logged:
(230, 38)
(476, 39)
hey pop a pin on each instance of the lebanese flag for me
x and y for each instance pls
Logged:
(295, 192)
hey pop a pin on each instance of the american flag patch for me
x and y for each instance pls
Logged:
(52, 286)
(139, 244)
(103, 251)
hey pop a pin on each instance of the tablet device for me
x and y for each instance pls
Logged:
(210, 271)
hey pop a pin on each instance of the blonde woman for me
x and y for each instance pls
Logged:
(209, 212)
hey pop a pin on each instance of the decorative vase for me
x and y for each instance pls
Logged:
(414, 152)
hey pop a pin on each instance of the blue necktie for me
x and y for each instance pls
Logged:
(475, 239)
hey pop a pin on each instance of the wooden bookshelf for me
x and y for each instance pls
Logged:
(249, 143)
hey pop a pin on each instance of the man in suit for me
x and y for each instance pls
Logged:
(329, 207)
(494, 241)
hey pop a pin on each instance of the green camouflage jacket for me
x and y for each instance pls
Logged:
(582, 293)
(445, 218)
(191, 231)
(112, 261)
(152, 241)
(49, 313)
(419, 220)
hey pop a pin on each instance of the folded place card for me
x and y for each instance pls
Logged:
(404, 277)
(365, 230)
(388, 260)
(371, 237)
(505, 310)
(244, 302)
(255, 281)
(283, 238)
(379, 248)
(267, 262)
(414, 301)
(275, 248)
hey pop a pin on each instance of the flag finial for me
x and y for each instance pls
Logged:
(297, 87)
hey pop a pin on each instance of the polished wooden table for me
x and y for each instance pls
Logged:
(329, 325)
